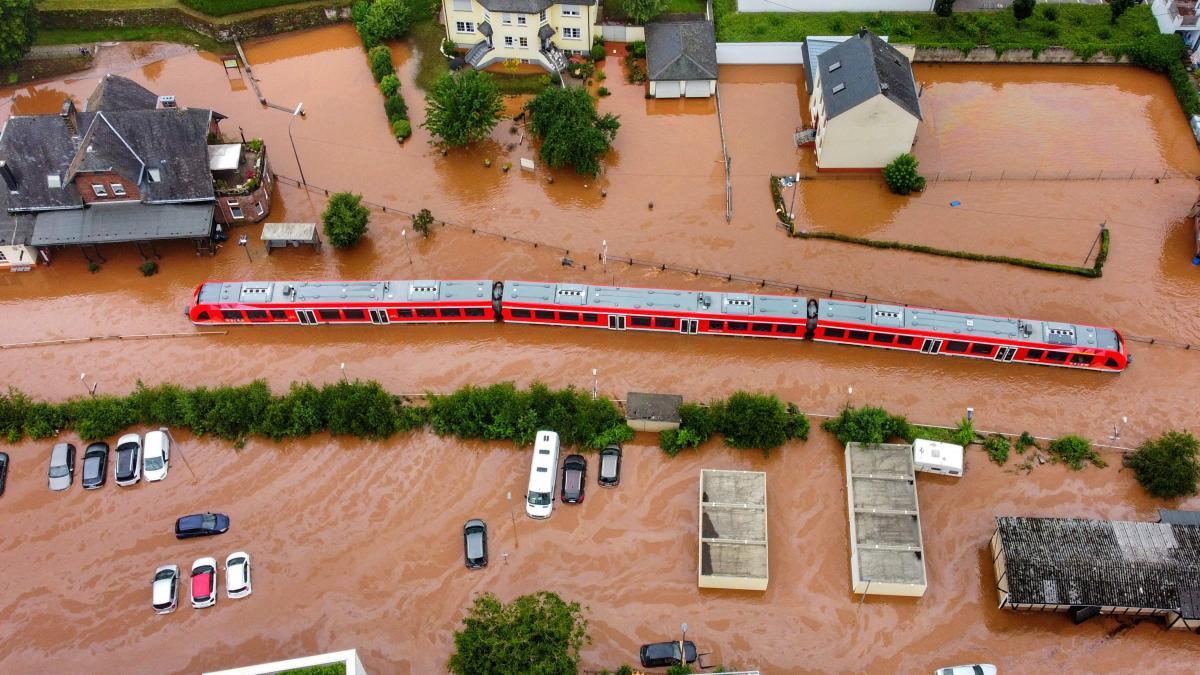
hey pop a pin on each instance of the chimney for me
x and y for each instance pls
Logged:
(862, 32)
(10, 178)
(166, 102)
(68, 115)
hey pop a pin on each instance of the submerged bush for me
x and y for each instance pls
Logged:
(1167, 466)
(997, 447)
(866, 425)
(902, 177)
(747, 421)
(380, 58)
(1074, 451)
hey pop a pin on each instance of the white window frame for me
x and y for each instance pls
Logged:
(506, 19)
(118, 189)
(508, 41)
(569, 10)
(235, 209)
(544, 16)
(259, 208)
(98, 189)
(467, 8)
(572, 33)
(464, 27)
(522, 20)
(524, 42)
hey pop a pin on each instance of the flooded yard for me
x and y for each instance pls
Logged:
(356, 544)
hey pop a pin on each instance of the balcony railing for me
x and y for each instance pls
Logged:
(1184, 10)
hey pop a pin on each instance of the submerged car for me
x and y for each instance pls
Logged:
(129, 460)
(156, 452)
(164, 590)
(475, 543)
(975, 669)
(204, 583)
(95, 466)
(574, 474)
(609, 474)
(62, 466)
(3, 470)
(201, 525)
(237, 575)
(667, 654)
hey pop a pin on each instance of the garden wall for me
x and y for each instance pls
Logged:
(757, 53)
(988, 55)
(286, 18)
(622, 33)
(835, 5)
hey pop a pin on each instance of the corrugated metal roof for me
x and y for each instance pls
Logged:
(122, 222)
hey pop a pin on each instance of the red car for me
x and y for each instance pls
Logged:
(204, 583)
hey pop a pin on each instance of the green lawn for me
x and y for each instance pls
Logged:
(224, 7)
(146, 34)
(1083, 28)
(209, 7)
(615, 9)
(106, 4)
(427, 38)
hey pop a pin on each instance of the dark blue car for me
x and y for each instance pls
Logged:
(201, 525)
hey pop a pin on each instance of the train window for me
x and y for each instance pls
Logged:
(664, 322)
(543, 314)
(859, 335)
(883, 338)
(835, 332)
(1081, 359)
(904, 340)
(451, 311)
(256, 314)
(762, 328)
(521, 314)
(1056, 356)
(1111, 362)
(329, 314)
(716, 325)
(404, 313)
(353, 314)
(980, 348)
(568, 316)
(473, 311)
(591, 318)
(427, 312)
(955, 346)
(231, 315)
(642, 321)
(785, 328)
(1034, 354)
(278, 315)
(202, 316)
(736, 325)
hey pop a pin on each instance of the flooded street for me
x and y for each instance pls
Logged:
(357, 544)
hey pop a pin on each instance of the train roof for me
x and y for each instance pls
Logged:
(287, 292)
(730, 305)
(968, 325)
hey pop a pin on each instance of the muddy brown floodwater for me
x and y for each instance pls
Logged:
(357, 544)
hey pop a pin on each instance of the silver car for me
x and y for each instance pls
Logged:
(62, 466)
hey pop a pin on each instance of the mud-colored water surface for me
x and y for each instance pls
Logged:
(357, 544)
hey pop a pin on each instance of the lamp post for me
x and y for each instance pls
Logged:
(404, 236)
(513, 516)
(297, 113)
(970, 414)
(595, 387)
(604, 255)
(343, 367)
(795, 186)
(244, 242)
(850, 397)
(683, 645)
(1116, 434)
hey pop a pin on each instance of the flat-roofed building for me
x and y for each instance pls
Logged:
(886, 553)
(733, 530)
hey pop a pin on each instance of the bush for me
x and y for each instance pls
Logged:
(636, 49)
(943, 7)
(395, 107)
(148, 268)
(1157, 52)
(20, 21)
(345, 219)
(297, 414)
(380, 58)
(1118, 7)
(1025, 441)
(902, 177)
(421, 221)
(401, 129)
(641, 11)
(598, 53)
(99, 417)
(1185, 89)
(624, 670)
(1023, 9)
(572, 133)
(537, 633)
(1049, 12)
(1074, 451)
(997, 447)
(361, 409)
(866, 425)
(359, 11)
(759, 421)
(389, 85)
(387, 19)
(1167, 466)
(602, 92)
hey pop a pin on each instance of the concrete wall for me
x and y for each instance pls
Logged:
(835, 5)
(757, 53)
(287, 18)
(988, 55)
(619, 33)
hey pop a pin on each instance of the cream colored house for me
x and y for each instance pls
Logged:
(864, 105)
(541, 32)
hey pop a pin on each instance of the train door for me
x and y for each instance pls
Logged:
(931, 346)
(689, 326)
(1005, 354)
(379, 316)
(616, 322)
(306, 316)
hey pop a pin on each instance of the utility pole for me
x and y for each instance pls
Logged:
(298, 113)
(176, 446)
(513, 516)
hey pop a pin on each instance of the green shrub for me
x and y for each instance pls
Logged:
(603, 91)
(1074, 451)
(866, 425)
(380, 58)
(1157, 52)
(401, 129)
(359, 11)
(361, 409)
(345, 219)
(962, 434)
(226, 7)
(1167, 466)
(997, 447)
(1049, 12)
(759, 422)
(388, 19)
(1023, 9)
(14, 411)
(389, 85)
(299, 413)
(158, 406)
(1185, 89)
(1025, 441)
(422, 221)
(395, 107)
(148, 268)
(637, 49)
(598, 52)
(98, 417)
(624, 670)
(902, 176)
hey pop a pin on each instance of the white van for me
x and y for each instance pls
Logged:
(543, 472)
(935, 457)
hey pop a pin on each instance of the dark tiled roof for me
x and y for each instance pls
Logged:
(868, 66)
(1102, 563)
(528, 6)
(654, 407)
(115, 93)
(34, 147)
(175, 141)
(122, 222)
(681, 50)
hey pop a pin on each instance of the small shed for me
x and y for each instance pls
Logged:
(886, 553)
(652, 412)
(935, 457)
(733, 530)
(681, 59)
(18, 258)
(279, 235)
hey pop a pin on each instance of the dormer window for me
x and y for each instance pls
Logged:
(838, 87)
(118, 189)
(834, 66)
(53, 180)
(155, 175)
(98, 188)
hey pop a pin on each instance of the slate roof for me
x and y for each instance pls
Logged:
(528, 6)
(681, 50)
(813, 47)
(122, 222)
(1101, 563)
(868, 66)
(115, 93)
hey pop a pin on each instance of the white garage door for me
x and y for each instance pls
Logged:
(696, 89)
(666, 89)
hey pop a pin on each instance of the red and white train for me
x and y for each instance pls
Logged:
(915, 329)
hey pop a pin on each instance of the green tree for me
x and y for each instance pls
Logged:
(760, 421)
(463, 107)
(943, 7)
(571, 131)
(1023, 9)
(345, 219)
(902, 177)
(18, 28)
(866, 425)
(642, 11)
(388, 19)
(1118, 7)
(421, 221)
(1167, 466)
(537, 633)
(380, 58)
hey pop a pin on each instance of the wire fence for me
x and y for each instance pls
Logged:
(1158, 174)
(606, 259)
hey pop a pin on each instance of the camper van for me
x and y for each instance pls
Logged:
(935, 457)
(543, 471)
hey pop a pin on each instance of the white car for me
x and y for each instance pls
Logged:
(127, 469)
(975, 669)
(237, 575)
(204, 583)
(165, 589)
(156, 455)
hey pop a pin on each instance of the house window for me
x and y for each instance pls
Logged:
(571, 33)
(506, 19)
(542, 17)
(117, 189)
(99, 190)
(508, 41)
(235, 209)
(258, 208)
(155, 175)
(834, 66)
(570, 10)
(464, 26)
(521, 19)
(462, 5)
(53, 180)
(524, 43)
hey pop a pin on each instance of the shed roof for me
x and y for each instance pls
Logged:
(733, 524)
(885, 526)
(289, 232)
(1101, 563)
(653, 407)
(122, 222)
(1179, 517)
(681, 50)
(861, 68)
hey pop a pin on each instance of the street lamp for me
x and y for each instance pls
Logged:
(849, 397)
(604, 255)
(92, 389)
(595, 390)
(343, 366)
(297, 113)
(244, 242)
(1116, 434)
(683, 645)
(404, 236)
(795, 186)
(970, 414)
